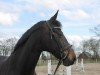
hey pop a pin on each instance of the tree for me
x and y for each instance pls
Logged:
(3, 48)
(96, 30)
(85, 45)
(11, 42)
(94, 47)
(7, 46)
(91, 45)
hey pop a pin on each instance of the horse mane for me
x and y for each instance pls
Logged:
(30, 31)
(27, 34)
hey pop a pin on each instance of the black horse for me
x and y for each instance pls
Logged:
(43, 36)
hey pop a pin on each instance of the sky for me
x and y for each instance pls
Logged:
(76, 16)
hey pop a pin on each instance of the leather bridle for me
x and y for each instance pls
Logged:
(63, 55)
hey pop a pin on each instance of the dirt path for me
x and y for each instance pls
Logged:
(90, 69)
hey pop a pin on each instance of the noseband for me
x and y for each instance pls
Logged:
(63, 55)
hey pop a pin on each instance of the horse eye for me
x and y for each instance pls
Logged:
(58, 32)
(60, 35)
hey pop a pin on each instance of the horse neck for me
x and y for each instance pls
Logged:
(24, 60)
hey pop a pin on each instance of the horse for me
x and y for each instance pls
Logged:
(43, 36)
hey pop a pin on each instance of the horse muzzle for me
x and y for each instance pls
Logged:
(68, 62)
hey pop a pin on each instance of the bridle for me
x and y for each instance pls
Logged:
(63, 55)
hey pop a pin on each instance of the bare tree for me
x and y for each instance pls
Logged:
(3, 48)
(96, 30)
(11, 42)
(85, 45)
(91, 45)
(7, 46)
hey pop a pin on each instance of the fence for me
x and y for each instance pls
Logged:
(50, 66)
(67, 71)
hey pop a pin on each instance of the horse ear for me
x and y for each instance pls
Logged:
(53, 18)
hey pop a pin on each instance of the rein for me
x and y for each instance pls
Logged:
(63, 55)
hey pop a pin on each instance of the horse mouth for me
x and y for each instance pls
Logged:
(68, 62)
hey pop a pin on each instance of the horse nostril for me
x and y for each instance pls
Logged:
(74, 59)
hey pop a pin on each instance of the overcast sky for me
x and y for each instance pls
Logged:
(76, 16)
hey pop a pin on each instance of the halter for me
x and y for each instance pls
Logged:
(63, 55)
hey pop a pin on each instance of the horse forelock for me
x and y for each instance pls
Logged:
(57, 23)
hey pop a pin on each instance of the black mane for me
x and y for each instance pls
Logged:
(27, 34)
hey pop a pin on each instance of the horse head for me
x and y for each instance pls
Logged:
(54, 41)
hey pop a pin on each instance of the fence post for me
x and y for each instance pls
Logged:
(68, 70)
(77, 64)
(49, 64)
(49, 67)
(82, 65)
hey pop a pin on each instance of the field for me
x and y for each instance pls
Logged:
(90, 69)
